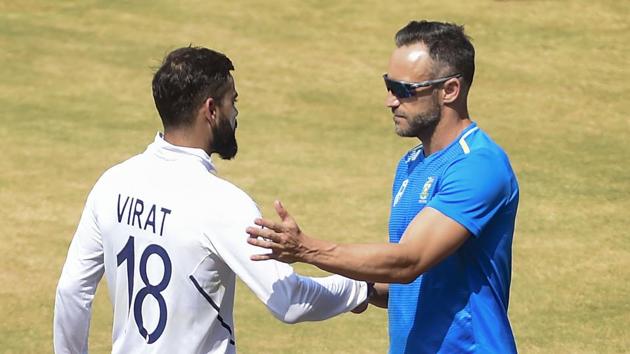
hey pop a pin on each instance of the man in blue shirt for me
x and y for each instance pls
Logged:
(448, 263)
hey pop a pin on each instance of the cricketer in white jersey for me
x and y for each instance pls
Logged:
(169, 234)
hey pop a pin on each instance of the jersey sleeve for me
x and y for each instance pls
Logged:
(472, 190)
(289, 297)
(80, 276)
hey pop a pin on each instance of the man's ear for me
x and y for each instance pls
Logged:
(210, 109)
(452, 90)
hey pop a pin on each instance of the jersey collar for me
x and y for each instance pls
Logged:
(168, 151)
(416, 154)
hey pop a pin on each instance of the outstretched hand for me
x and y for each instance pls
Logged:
(284, 238)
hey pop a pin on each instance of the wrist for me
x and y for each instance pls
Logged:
(317, 252)
(309, 249)
(370, 291)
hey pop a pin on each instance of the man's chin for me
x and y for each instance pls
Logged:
(402, 132)
(226, 147)
(228, 155)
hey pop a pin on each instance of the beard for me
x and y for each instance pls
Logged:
(422, 122)
(224, 142)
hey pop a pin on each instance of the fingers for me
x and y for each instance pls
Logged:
(252, 240)
(260, 242)
(261, 257)
(264, 233)
(269, 224)
(361, 308)
(269, 235)
(282, 212)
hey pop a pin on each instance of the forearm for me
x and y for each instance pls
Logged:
(297, 298)
(428, 239)
(384, 263)
(71, 318)
(76, 288)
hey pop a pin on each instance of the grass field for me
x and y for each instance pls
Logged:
(552, 87)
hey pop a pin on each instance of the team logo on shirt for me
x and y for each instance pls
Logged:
(424, 195)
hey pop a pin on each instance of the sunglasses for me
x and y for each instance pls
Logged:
(404, 89)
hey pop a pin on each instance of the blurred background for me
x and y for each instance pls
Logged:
(552, 87)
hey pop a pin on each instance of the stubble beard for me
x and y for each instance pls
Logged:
(422, 123)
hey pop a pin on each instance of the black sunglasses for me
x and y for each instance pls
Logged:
(404, 89)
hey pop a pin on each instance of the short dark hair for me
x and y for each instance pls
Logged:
(448, 46)
(186, 78)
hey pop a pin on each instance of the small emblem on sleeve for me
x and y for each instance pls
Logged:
(424, 195)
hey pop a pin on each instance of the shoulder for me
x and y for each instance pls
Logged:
(481, 172)
(115, 174)
(227, 202)
(121, 169)
(484, 168)
(478, 153)
(224, 207)
(233, 196)
(477, 142)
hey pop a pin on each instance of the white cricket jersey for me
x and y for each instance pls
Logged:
(170, 236)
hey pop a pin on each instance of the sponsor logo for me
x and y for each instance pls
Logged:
(401, 190)
(413, 155)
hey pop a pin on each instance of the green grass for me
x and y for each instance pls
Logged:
(551, 87)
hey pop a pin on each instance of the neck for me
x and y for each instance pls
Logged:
(444, 133)
(186, 138)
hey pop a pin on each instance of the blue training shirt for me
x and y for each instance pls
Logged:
(460, 305)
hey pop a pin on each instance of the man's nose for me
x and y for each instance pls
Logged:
(391, 100)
